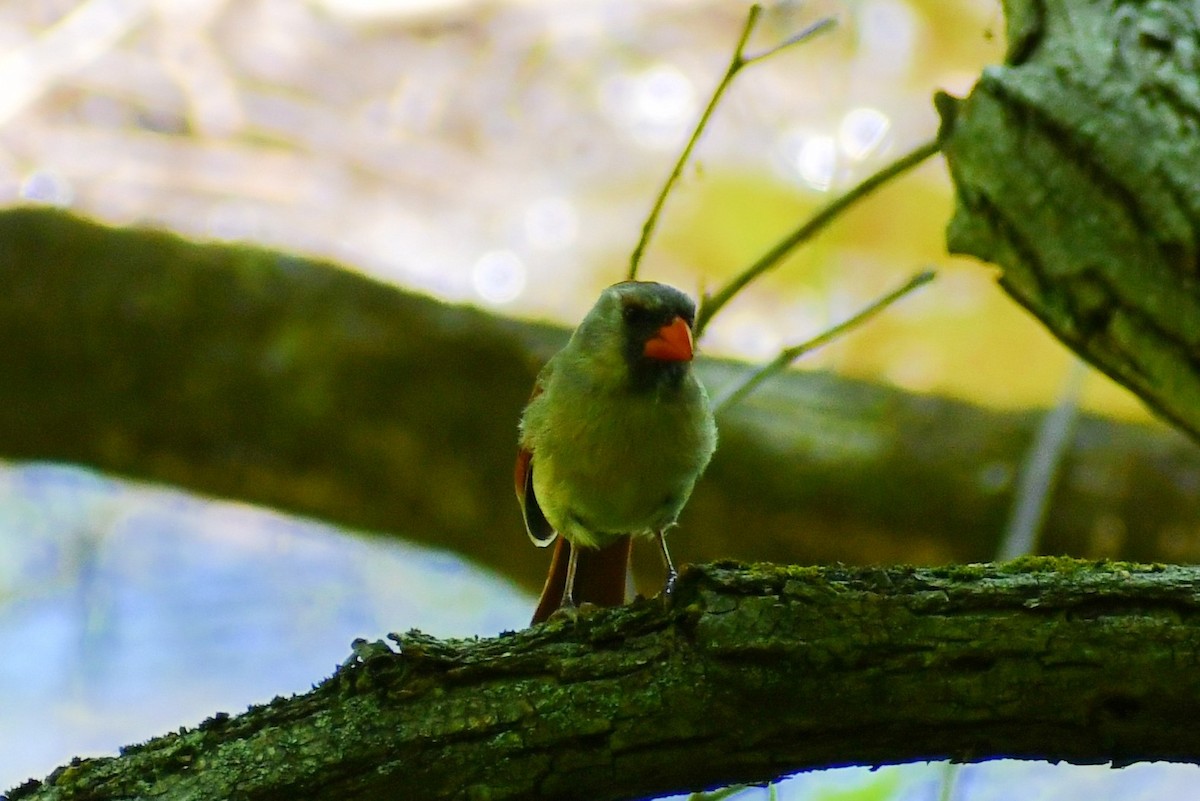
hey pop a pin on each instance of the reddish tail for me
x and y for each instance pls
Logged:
(601, 576)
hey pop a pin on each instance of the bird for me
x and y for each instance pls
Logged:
(614, 437)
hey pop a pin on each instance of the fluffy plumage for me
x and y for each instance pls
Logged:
(615, 436)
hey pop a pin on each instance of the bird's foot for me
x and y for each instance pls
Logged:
(573, 613)
(567, 610)
(364, 651)
(668, 590)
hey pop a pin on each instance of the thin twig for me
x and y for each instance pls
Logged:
(794, 39)
(815, 224)
(739, 61)
(949, 783)
(789, 355)
(1039, 472)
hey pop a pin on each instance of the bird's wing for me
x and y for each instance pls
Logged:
(536, 524)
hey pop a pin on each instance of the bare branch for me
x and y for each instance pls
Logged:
(736, 64)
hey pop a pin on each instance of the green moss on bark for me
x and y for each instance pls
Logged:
(750, 673)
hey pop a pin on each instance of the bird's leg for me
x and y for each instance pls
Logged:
(672, 574)
(568, 596)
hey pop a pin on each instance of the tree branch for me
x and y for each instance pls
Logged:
(711, 304)
(749, 674)
(250, 374)
(1074, 166)
(737, 63)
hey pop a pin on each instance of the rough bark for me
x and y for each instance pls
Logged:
(1075, 167)
(254, 375)
(751, 673)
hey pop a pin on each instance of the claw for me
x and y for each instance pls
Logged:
(566, 611)
(668, 589)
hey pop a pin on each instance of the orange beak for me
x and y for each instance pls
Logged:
(672, 343)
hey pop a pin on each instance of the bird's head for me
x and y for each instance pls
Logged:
(642, 331)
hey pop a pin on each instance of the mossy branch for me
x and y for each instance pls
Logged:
(749, 674)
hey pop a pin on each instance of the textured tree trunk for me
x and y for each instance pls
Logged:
(1075, 167)
(254, 375)
(749, 674)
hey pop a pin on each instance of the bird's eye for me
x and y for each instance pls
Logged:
(635, 314)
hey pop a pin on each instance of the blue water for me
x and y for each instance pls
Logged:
(127, 611)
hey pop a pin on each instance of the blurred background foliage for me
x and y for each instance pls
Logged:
(502, 153)
(505, 153)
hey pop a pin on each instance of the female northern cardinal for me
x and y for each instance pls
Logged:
(612, 441)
